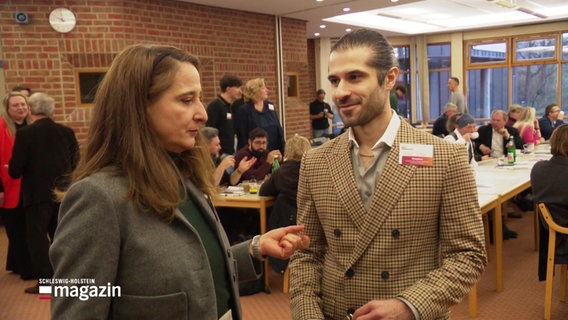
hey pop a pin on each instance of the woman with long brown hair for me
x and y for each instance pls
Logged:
(138, 214)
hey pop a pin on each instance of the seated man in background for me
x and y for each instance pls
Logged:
(464, 133)
(492, 142)
(283, 184)
(222, 175)
(550, 120)
(493, 137)
(256, 148)
(439, 128)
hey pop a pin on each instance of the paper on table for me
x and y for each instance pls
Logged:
(484, 185)
(234, 190)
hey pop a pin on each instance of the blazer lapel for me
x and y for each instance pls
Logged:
(394, 180)
(345, 183)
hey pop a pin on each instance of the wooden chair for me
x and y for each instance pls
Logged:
(553, 229)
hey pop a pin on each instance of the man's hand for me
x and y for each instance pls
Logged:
(228, 161)
(503, 131)
(271, 154)
(384, 309)
(485, 150)
(282, 242)
(245, 164)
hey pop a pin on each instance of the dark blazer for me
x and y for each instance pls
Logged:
(283, 184)
(44, 155)
(424, 244)
(486, 135)
(549, 185)
(161, 266)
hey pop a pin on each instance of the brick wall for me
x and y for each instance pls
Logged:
(226, 41)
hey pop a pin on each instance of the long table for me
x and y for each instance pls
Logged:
(249, 201)
(496, 185)
(505, 182)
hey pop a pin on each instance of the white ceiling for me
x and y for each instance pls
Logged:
(404, 17)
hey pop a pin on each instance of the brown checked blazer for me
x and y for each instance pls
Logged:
(422, 238)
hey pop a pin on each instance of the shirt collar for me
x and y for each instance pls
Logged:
(387, 138)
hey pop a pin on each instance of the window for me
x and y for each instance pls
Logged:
(535, 85)
(565, 46)
(538, 49)
(488, 89)
(86, 83)
(532, 74)
(486, 53)
(403, 55)
(292, 84)
(439, 64)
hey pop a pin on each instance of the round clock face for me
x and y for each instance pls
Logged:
(62, 20)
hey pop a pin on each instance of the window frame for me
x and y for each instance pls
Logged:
(77, 73)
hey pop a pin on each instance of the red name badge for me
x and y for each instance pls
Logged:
(416, 154)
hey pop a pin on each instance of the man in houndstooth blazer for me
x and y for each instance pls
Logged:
(387, 239)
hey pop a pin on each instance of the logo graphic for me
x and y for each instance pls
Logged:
(83, 289)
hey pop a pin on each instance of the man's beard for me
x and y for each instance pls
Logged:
(258, 154)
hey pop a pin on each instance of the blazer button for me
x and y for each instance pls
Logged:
(350, 273)
(385, 275)
(395, 233)
(350, 313)
(337, 232)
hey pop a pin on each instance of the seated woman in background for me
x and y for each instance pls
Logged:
(283, 184)
(549, 179)
(513, 114)
(527, 124)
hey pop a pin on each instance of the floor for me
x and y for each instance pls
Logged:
(522, 299)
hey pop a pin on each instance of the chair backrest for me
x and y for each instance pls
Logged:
(549, 221)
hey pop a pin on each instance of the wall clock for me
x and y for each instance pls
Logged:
(62, 20)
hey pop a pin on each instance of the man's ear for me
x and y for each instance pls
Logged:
(390, 80)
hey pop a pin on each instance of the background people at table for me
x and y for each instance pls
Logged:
(257, 148)
(283, 184)
(513, 114)
(439, 128)
(374, 252)
(528, 126)
(320, 113)
(138, 213)
(219, 114)
(464, 133)
(550, 120)
(456, 96)
(258, 112)
(493, 137)
(223, 163)
(549, 180)
(44, 155)
(14, 116)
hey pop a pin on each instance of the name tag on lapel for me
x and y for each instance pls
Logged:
(416, 154)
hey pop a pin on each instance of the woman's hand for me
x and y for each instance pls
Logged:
(282, 242)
